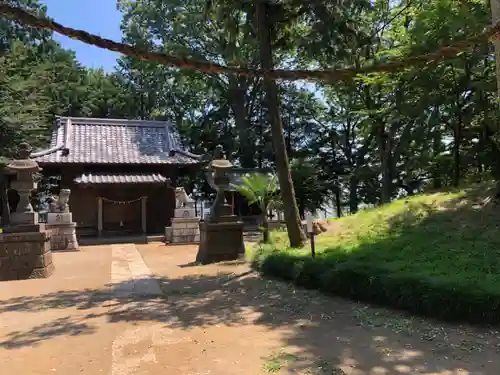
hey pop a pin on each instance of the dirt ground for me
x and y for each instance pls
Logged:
(177, 318)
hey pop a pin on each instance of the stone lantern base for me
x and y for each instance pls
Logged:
(25, 255)
(24, 222)
(221, 240)
(25, 244)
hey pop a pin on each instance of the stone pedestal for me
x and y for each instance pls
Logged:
(63, 233)
(221, 240)
(55, 218)
(25, 255)
(24, 245)
(185, 227)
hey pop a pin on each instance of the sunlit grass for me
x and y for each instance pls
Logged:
(452, 236)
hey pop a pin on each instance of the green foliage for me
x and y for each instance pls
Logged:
(262, 190)
(311, 190)
(42, 81)
(413, 254)
(12, 31)
(24, 104)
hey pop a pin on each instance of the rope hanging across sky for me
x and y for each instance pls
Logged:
(449, 51)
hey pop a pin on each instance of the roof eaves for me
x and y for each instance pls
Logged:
(120, 178)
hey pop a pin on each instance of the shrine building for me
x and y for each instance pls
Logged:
(121, 173)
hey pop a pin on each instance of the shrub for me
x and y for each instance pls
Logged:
(374, 284)
(408, 256)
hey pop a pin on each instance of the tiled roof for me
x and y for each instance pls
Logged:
(121, 178)
(110, 141)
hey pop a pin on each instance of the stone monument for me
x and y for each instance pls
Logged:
(24, 244)
(60, 223)
(221, 235)
(185, 225)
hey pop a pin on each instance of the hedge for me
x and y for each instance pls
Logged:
(370, 283)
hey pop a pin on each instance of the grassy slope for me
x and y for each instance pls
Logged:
(446, 240)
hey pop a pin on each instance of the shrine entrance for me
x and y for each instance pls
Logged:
(121, 217)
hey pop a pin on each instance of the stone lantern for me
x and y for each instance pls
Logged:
(25, 169)
(24, 245)
(221, 235)
(218, 172)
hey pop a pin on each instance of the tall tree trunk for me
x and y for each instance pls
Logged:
(295, 234)
(265, 228)
(437, 181)
(288, 138)
(261, 141)
(238, 96)
(457, 138)
(338, 202)
(385, 164)
(353, 195)
(495, 16)
(302, 209)
(384, 146)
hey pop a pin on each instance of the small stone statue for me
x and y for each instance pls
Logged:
(60, 205)
(182, 199)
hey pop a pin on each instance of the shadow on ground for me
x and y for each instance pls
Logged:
(325, 332)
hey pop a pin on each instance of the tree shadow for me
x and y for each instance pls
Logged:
(321, 333)
(58, 327)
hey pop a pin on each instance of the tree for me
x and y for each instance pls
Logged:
(217, 34)
(24, 104)
(291, 211)
(310, 185)
(366, 141)
(12, 31)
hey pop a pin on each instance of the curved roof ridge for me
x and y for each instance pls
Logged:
(59, 145)
(115, 121)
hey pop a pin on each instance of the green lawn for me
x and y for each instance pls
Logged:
(436, 254)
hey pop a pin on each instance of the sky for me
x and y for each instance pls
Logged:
(95, 16)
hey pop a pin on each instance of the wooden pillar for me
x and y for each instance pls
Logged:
(99, 216)
(143, 214)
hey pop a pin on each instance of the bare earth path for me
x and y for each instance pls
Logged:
(144, 310)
